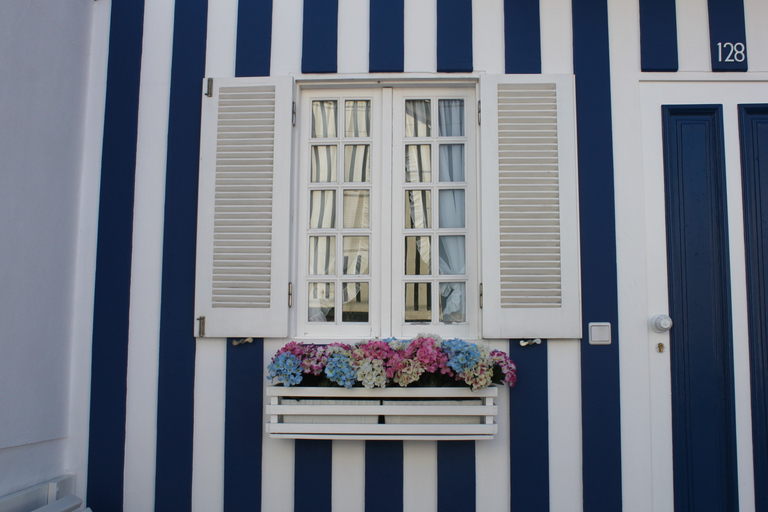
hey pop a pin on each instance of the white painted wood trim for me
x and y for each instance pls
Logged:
(353, 38)
(420, 37)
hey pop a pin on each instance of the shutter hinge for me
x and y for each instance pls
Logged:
(201, 327)
(290, 295)
(293, 114)
(478, 112)
(481, 295)
(209, 88)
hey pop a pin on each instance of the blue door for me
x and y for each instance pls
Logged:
(703, 417)
(753, 121)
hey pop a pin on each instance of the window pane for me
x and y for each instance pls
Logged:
(355, 305)
(453, 302)
(451, 162)
(418, 256)
(358, 118)
(451, 118)
(355, 255)
(418, 118)
(357, 163)
(356, 208)
(418, 302)
(322, 209)
(451, 208)
(323, 164)
(322, 255)
(418, 163)
(418, 209)
(452, 255)
(323, 119)
(321, 302)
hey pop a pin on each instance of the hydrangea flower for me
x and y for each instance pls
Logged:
(462, 356)
(339, 370)
(286, 368)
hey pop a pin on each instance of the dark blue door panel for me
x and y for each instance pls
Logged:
(703, 419)
(753, 120)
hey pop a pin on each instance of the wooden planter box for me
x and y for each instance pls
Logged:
(381, 413)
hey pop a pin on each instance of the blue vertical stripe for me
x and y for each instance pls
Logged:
(753, 121)
(243, 426)
(383, 470)
(456, 476)
(113, 259)
(173, 484)
(454, 36)
(387, 36)
(312, 476)
(254, 37)
(658, 35)
(529, 429)
(726, 32)
(522, 36)
(601, 427)
(320, 43)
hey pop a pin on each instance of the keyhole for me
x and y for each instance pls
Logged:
(660, 347)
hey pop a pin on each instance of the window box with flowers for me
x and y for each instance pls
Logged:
(424, 388)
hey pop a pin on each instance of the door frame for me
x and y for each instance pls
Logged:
(729, 94)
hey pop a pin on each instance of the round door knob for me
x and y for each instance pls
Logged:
(661, 323)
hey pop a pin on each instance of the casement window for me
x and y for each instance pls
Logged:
(381, 209)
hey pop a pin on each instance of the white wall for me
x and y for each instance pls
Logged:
(44, 64)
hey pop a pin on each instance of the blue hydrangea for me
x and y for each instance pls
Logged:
(339, 370)
(286, 368)
(462, 356)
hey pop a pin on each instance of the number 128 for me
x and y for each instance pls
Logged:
(735, 52)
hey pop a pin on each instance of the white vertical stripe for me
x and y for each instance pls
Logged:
(147, 257)
(211, 354)
(556, 36)
(564, 394)
(221, 43)
(624, 34)
(287, 23)
(277, 455)
(208, 439)
(488, 36)
(492, 461)
(419, 476)
(353, 36)
(421, 36)
(693, 36)
(756, 18)
(348, 476)
(76, 451)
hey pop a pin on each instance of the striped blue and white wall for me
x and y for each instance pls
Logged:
(177, 424)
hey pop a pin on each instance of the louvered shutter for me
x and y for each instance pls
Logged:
(530, 221)
(244, 208)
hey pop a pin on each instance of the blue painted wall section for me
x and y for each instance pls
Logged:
(113, 259)
(658, 35)
(312, 476)
(753, 121)
(529, 429)
(454, 36)
(601, 422)
(320, 36)
(254, 37)
(456, 476)
(383, 470)
(726, 32)
(243, 427)
(701, 341)
(522, 36)
(387, 36)
(176, 379)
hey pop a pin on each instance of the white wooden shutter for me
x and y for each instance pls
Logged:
(530, 220)
(244, 208)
